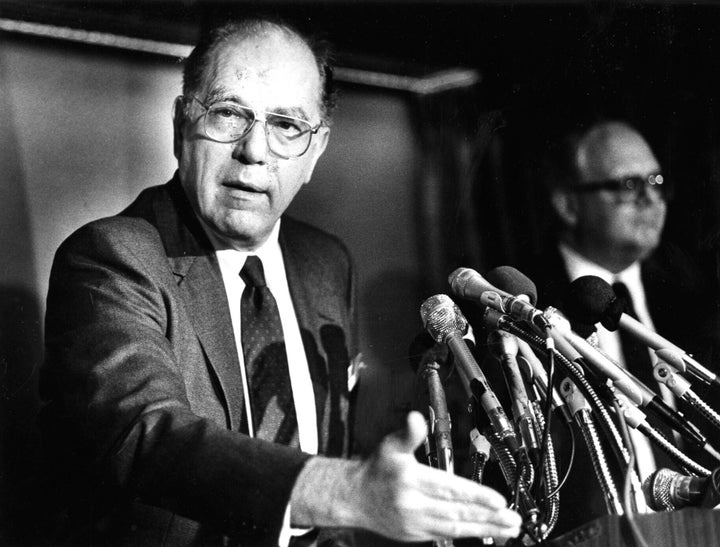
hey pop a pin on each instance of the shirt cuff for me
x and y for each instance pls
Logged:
(287, 532)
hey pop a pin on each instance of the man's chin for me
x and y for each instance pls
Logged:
(238, 233)
(645, 247)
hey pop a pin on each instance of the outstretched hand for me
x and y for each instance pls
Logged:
(392, 494)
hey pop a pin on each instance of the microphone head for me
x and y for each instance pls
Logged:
(441, 317)
(500, 343)
(461, 279)
(513, 282)
(657, 489)
(592, 300)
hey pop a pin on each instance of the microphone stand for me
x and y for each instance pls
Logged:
(666, 374)
(636, 419)
(572, 370)
(624, 457)
(440, 424)
(479, 456)
(550, 503)
(518, 474)
(581, 411)
(440, 427)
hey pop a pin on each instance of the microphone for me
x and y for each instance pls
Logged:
(635, 391)
(440, 424)
(428, 358)
(424, 350)
(504, 347)
(667, 490)
(470, 285)
(529, 362)
(446, 323)
(592, 300)
(512, 281)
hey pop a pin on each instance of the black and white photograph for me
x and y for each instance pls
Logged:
(349, 273)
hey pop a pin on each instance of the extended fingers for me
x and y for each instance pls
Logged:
(427, 519)
(464, 519)
(440, 485)
(442, 505)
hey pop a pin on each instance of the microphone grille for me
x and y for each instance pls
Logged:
(441, 316)
(458, 280)
(657, 488)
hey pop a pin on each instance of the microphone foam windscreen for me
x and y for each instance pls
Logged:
(591, 300)
(512, 281)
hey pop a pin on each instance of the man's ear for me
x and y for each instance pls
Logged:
(565, 205)
(319, 143)
(178, 116)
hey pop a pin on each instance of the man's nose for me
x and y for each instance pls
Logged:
(253, 147)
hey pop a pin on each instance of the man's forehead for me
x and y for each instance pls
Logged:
(617, 153)
(271, 64)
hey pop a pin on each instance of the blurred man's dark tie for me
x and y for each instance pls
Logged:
(638, 362)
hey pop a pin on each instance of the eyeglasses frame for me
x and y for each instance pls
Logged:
(258, 115)
(654, 180)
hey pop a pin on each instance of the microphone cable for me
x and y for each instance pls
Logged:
(604, 419)
(627, 484)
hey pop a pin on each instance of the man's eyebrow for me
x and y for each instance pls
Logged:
(222, 94)
(292, 111)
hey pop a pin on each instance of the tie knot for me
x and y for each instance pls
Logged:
(252, 272)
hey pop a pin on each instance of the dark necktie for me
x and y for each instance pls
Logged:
(266, 366)
(637, 361)
(635, 353)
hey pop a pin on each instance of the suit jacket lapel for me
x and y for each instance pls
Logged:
(197, 273)
(306, 292)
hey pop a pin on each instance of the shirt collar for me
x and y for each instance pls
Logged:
(577, 266)
(233, 260)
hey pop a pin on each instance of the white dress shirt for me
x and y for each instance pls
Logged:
(609, 341)
(231, 262)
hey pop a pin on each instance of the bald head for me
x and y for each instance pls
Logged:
(611, 150)
(607, 226)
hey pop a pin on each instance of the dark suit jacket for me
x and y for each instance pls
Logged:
(678, 295)
(144, 387)
(682, 310)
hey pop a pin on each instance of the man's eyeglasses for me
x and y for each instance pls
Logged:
(629, 189)
(287, 137)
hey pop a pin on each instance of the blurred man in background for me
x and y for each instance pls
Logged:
(610, 200)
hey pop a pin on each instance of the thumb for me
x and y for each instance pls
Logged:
(408, 439)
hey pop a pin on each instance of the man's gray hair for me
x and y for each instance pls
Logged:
(199, 60)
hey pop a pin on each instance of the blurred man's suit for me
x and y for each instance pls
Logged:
(681, 305)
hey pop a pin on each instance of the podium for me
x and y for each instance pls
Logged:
(686, 527)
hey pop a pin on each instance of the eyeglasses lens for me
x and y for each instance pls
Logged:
(287, 137)
(633, 188)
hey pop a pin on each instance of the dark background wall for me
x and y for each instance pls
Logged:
(415, 184)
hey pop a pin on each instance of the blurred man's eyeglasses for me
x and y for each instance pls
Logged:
(287, 137)
(629, 189)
